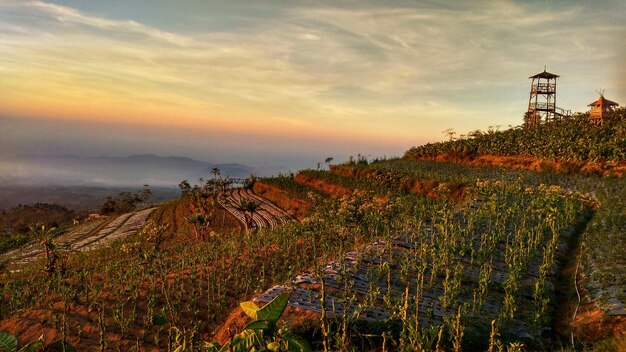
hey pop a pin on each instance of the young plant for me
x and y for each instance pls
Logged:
(263, 334)
(9, 343)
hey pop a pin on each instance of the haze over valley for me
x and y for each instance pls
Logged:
(312, 175)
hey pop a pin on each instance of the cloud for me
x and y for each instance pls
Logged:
(348, 68)
(69, 16)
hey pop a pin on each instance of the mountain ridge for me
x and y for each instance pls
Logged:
(132, 170)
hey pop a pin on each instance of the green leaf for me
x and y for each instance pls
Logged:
(258, 324)
(212, 346)
(8, 342)
(273, 310)
(59, 346)
(296, 343)
(250, 308)
(159, 320)
(243, 341)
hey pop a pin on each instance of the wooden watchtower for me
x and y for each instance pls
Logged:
(542, 102)
(600, 110)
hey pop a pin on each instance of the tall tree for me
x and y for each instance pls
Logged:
(44, 236)
(329, 160)
(246, 205)
(242, 206)
(215, 172)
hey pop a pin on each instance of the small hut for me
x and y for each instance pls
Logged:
(600, 110)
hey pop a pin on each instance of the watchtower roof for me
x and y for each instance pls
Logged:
(545, 74)
(603, 102)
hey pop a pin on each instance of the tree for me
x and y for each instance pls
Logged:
(146, 194)
(215, 172)
(241, 206)
(246, 206)
(125, 201)
(200, 223)
(449, 132)
(250, 181)
(185, 188)
(225, 184)
(252, 207)
(44, 236)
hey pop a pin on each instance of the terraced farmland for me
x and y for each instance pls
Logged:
(485, 265)
(401, 255)
(89, 236)
(267, 215)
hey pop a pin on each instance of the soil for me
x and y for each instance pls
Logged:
(592, 325)
(423, 187)
(83, 328)
(297, 319)
(324, 186)
(296, 207)
(615, 169)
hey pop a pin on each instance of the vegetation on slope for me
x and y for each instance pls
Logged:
(164, 271)
(15, 224)
(574, 139)
(285, 193)
(164, 285)
(602, 261)
(502, 208)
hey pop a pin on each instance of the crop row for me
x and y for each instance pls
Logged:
(602, 241)
(490, 259)
(266, 215)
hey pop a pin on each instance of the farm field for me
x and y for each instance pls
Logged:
(391, 253)
(569, 146)
(267, 214)
(602, 238)
(91, 235)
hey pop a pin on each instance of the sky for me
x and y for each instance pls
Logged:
(289, 83)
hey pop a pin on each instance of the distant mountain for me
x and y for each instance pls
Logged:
(130, 171)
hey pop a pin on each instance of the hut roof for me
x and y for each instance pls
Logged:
(603, 101)
(544, 74)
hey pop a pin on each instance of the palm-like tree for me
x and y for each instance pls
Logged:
(215, 172)
(225, 184)
(44, 236)
(242, 205)
(252, 207)
(200, 225)
(246, 205)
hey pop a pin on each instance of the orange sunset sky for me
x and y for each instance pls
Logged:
(289, 83)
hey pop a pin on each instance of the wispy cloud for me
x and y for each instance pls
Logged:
(371, 70)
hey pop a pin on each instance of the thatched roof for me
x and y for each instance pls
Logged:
(603, 101)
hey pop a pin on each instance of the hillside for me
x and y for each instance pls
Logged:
(16, 222)
(392, 253)
(569, 146)
(20, 217)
